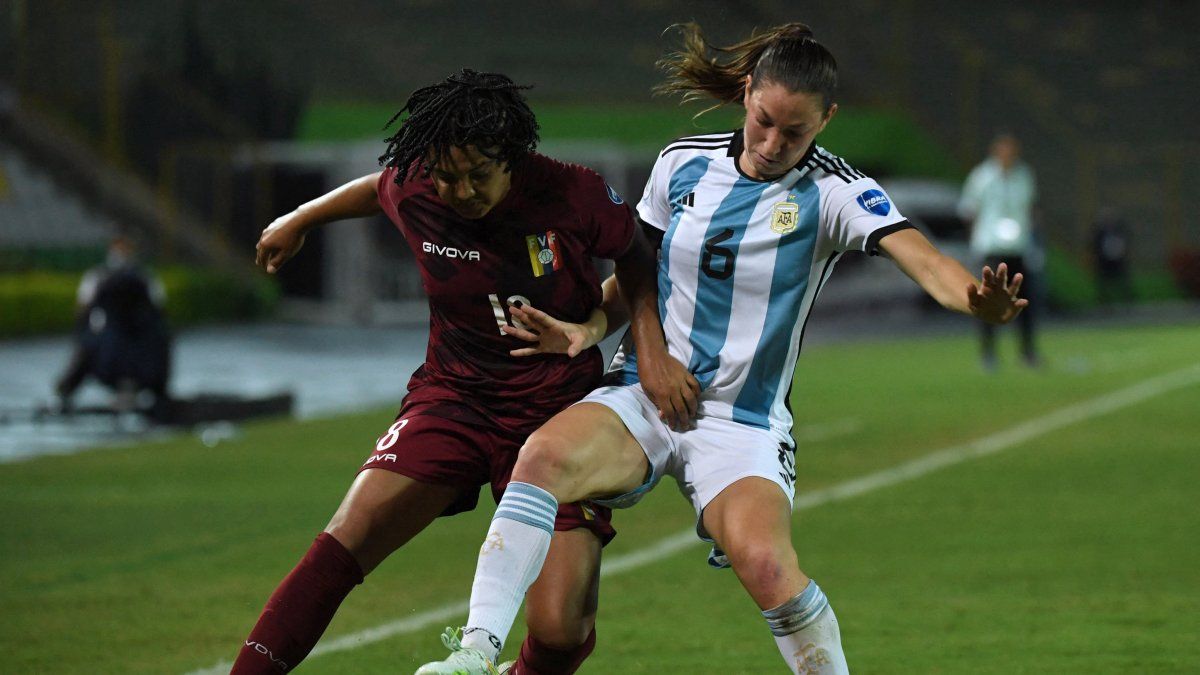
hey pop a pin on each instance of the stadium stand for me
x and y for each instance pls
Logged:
(37, 213)
(1095, 91)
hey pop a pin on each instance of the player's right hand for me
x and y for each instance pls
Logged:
(279, 242)
(546, 334)
(671, 388)
(997, 299)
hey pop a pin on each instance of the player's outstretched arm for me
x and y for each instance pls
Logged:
(666, 381)
(994, 299)
(285, 235)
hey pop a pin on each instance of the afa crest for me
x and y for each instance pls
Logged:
(785, 217)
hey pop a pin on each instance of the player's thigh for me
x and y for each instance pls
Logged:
(752, 511)
(560, 606)
(426, 464)
(751, 522)
(583, 452)
(741, 479)
(383, 510)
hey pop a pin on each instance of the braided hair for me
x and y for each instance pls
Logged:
(485, 110)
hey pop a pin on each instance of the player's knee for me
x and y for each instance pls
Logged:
(760, 564)
(560, 627)
(350, 529)
(546, 461)
(366, 534)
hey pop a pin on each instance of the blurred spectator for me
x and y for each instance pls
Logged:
(121, 333)
(1110, 251)
(998, 200)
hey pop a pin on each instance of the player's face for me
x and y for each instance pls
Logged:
(780, 125)
(470, 182)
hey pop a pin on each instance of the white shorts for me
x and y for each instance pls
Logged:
(703, 460)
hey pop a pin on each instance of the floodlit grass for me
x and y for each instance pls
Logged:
(1072, 552)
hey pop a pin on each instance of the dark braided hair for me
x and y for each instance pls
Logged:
(485, 110)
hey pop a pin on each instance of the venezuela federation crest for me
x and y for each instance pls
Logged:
(543, 253)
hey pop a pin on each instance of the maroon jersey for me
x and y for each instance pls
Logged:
(535, 246)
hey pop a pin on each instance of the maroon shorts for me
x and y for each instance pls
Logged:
(446, 442)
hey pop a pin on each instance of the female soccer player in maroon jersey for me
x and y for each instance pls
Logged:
(493, 225)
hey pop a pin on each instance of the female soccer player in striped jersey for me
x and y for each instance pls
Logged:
(750, 225)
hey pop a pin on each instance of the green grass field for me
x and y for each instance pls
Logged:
(1071, 550)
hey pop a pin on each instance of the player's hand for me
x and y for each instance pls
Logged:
(996, 300)
(671, 388)
(279, 242)
(546, 334)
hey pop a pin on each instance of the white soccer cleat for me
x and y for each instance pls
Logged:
(462, 660)
(506, 667)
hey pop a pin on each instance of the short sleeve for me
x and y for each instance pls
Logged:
(388, 193)
(611, 220)
(858, 214)
(654, 208)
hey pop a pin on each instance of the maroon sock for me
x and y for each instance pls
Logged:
(539, 659)
(300, 609)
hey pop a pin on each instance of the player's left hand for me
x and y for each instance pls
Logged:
(672, 389)
(546, 334)
(996, 301)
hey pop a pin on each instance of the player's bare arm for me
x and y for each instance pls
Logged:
(548, 335)
(666, 381)
(285, 235)
(995, 299)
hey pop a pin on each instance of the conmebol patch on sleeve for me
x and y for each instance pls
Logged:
(874, 201)
(612, 195)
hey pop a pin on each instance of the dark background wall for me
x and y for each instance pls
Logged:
(1102, 93)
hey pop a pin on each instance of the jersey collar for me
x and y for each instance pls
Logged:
(806, 163)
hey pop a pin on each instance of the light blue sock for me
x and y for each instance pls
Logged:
(798, 612)
(509, 561)
(807, 634)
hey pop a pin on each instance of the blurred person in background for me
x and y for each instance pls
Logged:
(749, 225)
(997, 199)
(494, 227)
(1110, 256)
(121, 335)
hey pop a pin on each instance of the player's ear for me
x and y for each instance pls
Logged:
(747, 86)
(833, 108)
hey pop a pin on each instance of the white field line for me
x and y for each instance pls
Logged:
(812, 433)
(915, 468)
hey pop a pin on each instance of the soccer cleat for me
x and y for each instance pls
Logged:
(506, 668)
(718, 559)
(462, 660)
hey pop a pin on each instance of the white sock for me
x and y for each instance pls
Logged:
(509, 561)
(806, 632)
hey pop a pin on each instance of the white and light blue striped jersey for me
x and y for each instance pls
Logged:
(742, 261)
